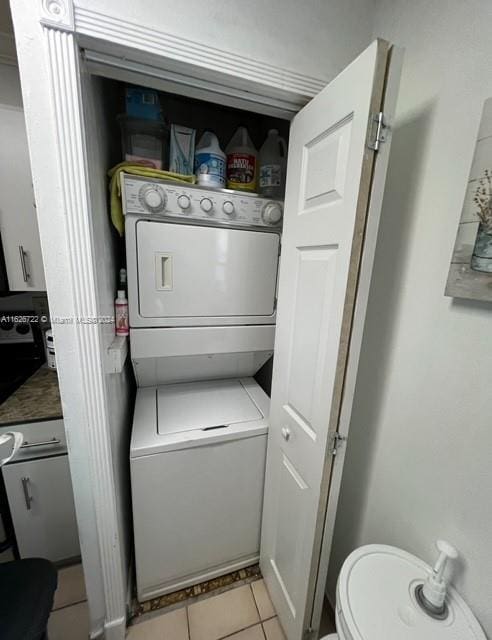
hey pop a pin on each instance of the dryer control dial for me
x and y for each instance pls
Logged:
(206, 205)
(228, 207)
(152, 198)
(184, 201)
(272, 213)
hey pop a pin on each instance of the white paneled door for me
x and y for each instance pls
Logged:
(328, 190)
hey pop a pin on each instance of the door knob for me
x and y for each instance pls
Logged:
(285, 433)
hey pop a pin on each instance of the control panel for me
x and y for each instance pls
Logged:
(15, 328)
(143, 196)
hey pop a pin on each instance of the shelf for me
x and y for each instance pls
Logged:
(117, 353)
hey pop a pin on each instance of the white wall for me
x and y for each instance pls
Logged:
(419, 463)
(10, 86)
(316, 37)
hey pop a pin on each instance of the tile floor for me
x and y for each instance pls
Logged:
(69, 619)
(242, 613)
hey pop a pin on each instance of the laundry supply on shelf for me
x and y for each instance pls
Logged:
(144, 141)
(210, 162)
(144, 134)
(242, 160)
(182, 149)
(142, 103)
(273, 158)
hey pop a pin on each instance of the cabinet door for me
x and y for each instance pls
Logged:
(42, 508)
(18, 222)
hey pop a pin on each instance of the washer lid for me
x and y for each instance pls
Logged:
(203, 405)
(376, 599)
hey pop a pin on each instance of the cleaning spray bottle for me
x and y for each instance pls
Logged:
(242, 160)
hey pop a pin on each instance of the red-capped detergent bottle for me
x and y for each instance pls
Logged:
(242, 162)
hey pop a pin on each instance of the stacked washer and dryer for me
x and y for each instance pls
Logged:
(202, 280)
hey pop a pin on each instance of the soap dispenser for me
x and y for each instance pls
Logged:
(431, 595)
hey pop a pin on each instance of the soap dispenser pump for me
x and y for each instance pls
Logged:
(432, 594)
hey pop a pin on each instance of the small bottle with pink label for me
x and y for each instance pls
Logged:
(121, 314)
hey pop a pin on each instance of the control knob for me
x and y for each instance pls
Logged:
(152, 198)
(23, 328)
(183, 201)
(228, 207)
(206, 205)
(272, 213)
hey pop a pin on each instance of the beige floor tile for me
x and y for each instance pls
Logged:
(70, 623)
(222, 615)
(273, 630)
(263, 602)
(251, 633)
(170, 626)
(71, 586)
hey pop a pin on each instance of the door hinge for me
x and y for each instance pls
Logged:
(378, 131)
(336, 440)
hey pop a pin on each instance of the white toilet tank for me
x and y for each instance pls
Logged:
(376, 600)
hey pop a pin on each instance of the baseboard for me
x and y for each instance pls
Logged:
(95, 635)
(115, 630)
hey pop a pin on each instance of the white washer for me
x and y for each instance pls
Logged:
(197, 465)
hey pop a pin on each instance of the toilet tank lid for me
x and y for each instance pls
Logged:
(375, 599)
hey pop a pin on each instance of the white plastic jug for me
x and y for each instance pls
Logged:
(210, 161)
(273, 161)
(242, 161)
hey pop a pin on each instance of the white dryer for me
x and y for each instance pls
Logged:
(202, 280)
(197, 470)
(199, 257)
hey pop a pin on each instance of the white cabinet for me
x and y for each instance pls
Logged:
(18, 222)
(42, 508)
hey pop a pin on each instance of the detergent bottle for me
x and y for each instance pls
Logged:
(210, 162)
(273, 160)
(242, 160)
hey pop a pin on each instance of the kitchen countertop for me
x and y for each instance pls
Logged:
(35, 400)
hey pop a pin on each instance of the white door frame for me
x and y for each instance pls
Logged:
(48, 45)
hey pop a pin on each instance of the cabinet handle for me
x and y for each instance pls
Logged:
(27, 497)
(44, 443)
(25, 273)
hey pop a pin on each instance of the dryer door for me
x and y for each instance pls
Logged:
(216, 275)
